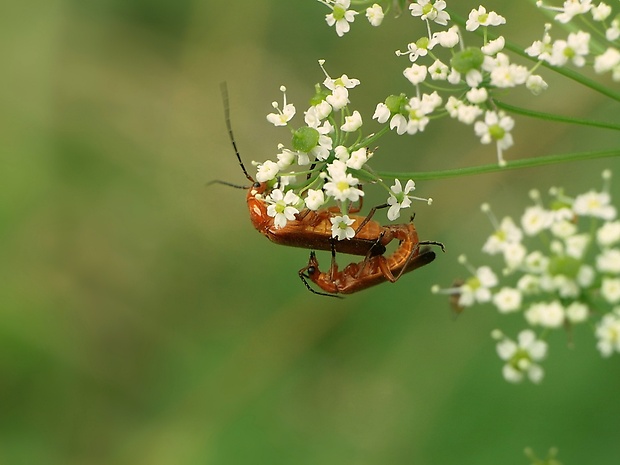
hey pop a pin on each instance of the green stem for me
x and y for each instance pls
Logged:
(494, 168)
(370, 139)
(557, 118)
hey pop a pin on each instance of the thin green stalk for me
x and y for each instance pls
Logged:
(557, 118)
(494, 168)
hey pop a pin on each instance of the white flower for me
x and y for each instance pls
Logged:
(399, 198)
(585, 276)
(514, 254)
(478, 287)
(415, 73)
(608, 234)
(341, 184)
(575, 48)
(507, 300)
(576, 245)
(577, 312)
(600, 12)
(607, 61)
(536, 84)
(317, 113)
(382, 113)
(541, 48)
(449, 38)
(358, 158)
(338, 98)
(283, 116)
(430, 11)
(375, 14)
(341, 227)
(352, 123)
(609, 261)
(466, 114)
(399, 122)
(535, 219)
(341, 153)
(314, 199)
(608, 334)
(494, 46)
(596, 204)
(563, 229)
(520, 357)
(267, 171)
(438, 71)
(610, 290)
(496, 127)
(285, 158)
(572, 8)
(536, 262)
(282, 207)
(503, 73)
(477, 96)
(548, 315)
(529, 284)
(480, 17)
(340, 16)
(507, 233)
(613, 32)
(414, 51)
(343, 81)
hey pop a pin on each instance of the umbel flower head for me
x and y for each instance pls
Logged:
(327, 160)
(559, 268)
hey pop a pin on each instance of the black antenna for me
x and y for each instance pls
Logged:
(224, 89)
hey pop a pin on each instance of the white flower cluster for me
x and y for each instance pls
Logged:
(481, 70)
(575, 49)
(323, 167)
(561, 268)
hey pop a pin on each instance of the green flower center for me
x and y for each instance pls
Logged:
(474, 283)
(280, 206)
(338, 12)
(569, 52)
(497, 132)
(342, 185)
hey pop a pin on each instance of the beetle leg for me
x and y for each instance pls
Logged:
(370, 253)
(370, 215)
(333, 269)
(385, 270)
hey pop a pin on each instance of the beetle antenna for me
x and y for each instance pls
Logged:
(224, 90)
(439, 244)
(226, 183)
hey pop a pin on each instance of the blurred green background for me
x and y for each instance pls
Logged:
(144, 321)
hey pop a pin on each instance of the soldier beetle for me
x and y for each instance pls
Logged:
(372, 270)
(311, 229)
